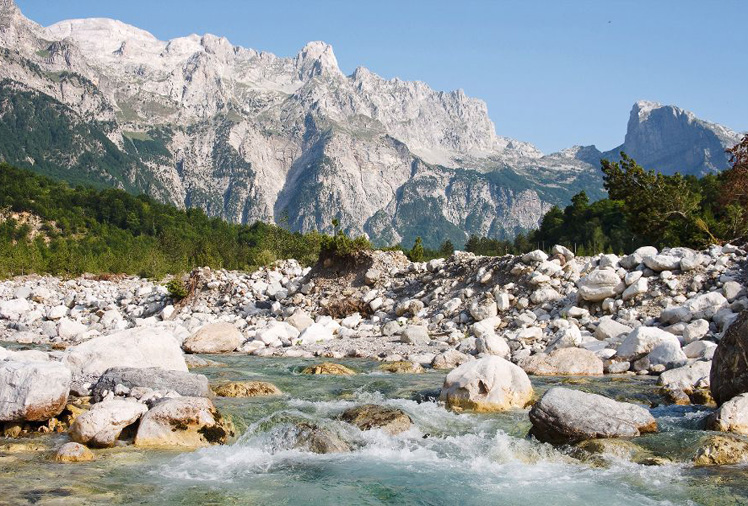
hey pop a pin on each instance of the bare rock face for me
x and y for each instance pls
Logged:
(729, 374)
(214, 338)
(33, 391)
(488, 384)
(371, 416)
(563, 415)
(564, 361)
(183, 422)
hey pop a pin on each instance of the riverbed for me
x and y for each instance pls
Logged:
(445, 458)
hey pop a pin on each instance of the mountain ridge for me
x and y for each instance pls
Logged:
(247, 135)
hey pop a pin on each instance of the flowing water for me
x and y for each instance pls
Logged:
(443, 459)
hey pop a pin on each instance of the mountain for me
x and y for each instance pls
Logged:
(247, 135)
(672, 140)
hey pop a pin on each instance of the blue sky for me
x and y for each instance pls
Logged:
(554, 73)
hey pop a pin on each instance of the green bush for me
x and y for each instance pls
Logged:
(177, 289)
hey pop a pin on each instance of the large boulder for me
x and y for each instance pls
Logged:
(186, 422)
(563, 415)
(729, 374)
(214, 338)
(660, 263)
(33, 391)
(563, 361)
(13, 309)
(139, 347)
(642, 340)
(487, 384)
(732, 416)
(687, 377)
(600, 284)
(183, 383)
(372, 416)
(103, 423)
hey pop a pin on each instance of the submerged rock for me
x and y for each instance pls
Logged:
(315, 439)
(32, 391)
(186, 422)
(564, 361)
(721, 450)
(214, 338)
(372, 416)
(729, 373)
(328, 368)
(183, 383)
(487, 384)
(246, 389)
(563, 415)
(74, 452)
(402, 367)
(103, 423)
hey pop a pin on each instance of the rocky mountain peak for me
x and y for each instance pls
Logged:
(316, 58)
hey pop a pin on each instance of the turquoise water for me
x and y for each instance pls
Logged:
(444, 459)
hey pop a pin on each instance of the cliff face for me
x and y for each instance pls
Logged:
(250, 136)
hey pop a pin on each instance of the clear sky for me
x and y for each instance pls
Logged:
(554, 73)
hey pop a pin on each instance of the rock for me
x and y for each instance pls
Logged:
(316, 333)
(732, 416)
(13, 309)
(450, 359)
(608, 328)
(600, 284)
(246, 389)
(300, 320)
(214, 338)
(185, 422)
(372, 276)
(659, 263)
(487, 384)
(183, 383)
(620, 449)
(544, 295)
(638, 287)
(700, 350)
(193, 362)
(57, 312)
(73, 452)
(401, 367)
(138, 347)
(685, 378)
(731, 290)
(563, 361)
(70, 329)
(352, 321)
(563, 251)
(563, 415)
(391, 328)
(103, 423)
(643, 340)
(701, 306)
(721, 450)
(480, 310)
(328, 368)
(695, 330)
(492, 344)
(315, 439)
(33, 391)
(415, 334)
(371, 416)
(729, 374)
(534, 257)
(667, 353)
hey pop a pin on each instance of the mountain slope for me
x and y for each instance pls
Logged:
(248, 136)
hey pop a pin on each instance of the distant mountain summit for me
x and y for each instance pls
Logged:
(248, 136)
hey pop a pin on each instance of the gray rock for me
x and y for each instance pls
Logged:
(33, 391)
(729, 373)
(563, 415)
(103, 423)
(183, 383)
(415, 334)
